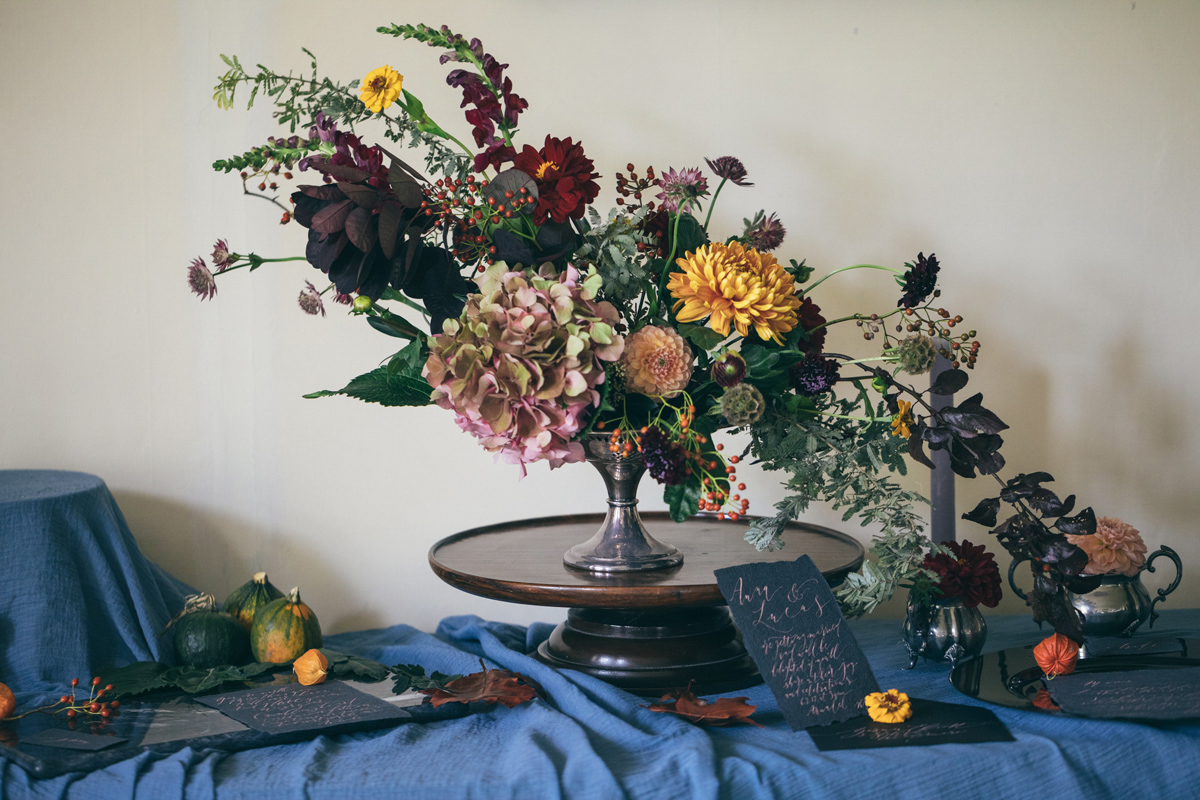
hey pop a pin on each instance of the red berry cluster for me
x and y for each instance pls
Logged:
(474, 212)
(95, 704)
(634, 185)
(738, 503)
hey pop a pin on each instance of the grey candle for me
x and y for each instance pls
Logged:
(941, 478)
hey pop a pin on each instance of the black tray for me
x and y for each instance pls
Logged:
(166, 723)
(1012, 678)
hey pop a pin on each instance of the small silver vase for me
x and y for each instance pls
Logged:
(942, 630)
(1120, 604)
(622, 544)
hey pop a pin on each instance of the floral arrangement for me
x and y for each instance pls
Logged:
(537, 321)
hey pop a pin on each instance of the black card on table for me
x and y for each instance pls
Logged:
(931, 723)
(796, 634)
(72, 740)
(1134, 694)
(1119, 646)
(292, 707)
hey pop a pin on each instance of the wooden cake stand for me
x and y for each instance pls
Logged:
(646, 632)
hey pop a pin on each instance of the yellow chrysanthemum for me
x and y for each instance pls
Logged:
(733, 284)
(889, 706)
(380, 88)
(903, 421)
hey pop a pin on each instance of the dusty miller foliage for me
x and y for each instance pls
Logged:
(297, 100)
(847, 464)
(612, 247)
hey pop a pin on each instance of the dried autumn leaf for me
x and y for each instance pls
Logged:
(719, 713)
(490, 686)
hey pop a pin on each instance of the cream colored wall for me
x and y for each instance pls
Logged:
(1048, 153)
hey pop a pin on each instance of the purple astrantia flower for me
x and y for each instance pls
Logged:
(310, 300)
(814, 375)
(222, 258)
(681, 190)
(729, 168)
(765, 233)
(201, 279)
(344, 299)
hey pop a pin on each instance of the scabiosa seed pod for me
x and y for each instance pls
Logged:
(729, 370)
(742, 405)
(917, 354)
(813, 375)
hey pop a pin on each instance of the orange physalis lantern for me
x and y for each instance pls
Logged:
(8, 703)
(1056, 655)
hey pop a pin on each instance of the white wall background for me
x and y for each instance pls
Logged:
(1048, 153)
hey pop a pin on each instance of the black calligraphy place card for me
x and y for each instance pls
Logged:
(71, 740)
(931, 723)
(1117, 646)
(796, 634)
(1134, 694)
(292, 707)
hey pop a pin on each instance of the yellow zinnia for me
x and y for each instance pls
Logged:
(889, 706)
(903, 421)
(733, 284)
(380, 88)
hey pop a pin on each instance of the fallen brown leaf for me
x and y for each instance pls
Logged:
(490, 686)
(719, 713)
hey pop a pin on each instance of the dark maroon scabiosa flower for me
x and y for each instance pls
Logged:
(809, 319)
(310, 300)
(968, 572)
(764, 233)
(222, 258)
(729, 168)
(813, 375)
(919, 281)
(729, 369)
(564, 177)
(681, 189)
(664, 458)
(201, 279)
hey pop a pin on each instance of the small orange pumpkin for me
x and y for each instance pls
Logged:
(8, 703)
(311, 667)
(1056, 655)
(284, 630)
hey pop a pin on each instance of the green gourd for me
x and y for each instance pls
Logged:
(206, 638)
(284, 630)
(245, 601)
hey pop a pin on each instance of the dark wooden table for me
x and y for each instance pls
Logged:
(645, 632)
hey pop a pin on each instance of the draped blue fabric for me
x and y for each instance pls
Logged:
(588, 739)
(75, 591)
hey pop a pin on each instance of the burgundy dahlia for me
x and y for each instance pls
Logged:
(565, 181)
(810, 320)
(967, 572)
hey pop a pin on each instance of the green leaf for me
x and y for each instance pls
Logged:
(704, 338)
(394, 325)
(133, 679)
(348, 667)
(412, 676)
(385, 388)
(683, 499)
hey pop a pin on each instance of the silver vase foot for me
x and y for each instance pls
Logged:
(622, 544)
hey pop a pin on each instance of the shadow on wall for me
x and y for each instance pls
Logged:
(217, 553)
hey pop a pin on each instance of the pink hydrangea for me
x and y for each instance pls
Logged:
(521, 365)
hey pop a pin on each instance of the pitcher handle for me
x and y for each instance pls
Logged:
(1012, 584)
(1162, 593)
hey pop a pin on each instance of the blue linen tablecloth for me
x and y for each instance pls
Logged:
(586, 739)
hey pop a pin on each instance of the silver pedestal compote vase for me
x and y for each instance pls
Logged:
(622, 544)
